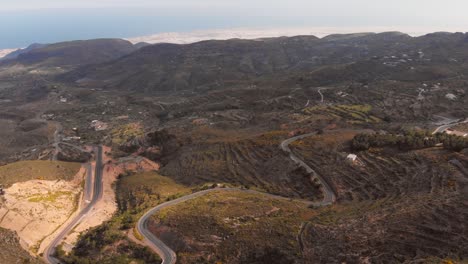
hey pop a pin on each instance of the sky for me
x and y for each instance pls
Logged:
(44, 21)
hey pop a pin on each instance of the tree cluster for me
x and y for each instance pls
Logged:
(408, 140)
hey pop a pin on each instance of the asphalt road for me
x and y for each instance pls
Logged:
(97, 194)
(329, 196)
(57, 139)
(168, 256)
(321, 94)
(444, 127)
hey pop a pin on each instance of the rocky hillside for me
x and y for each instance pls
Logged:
(215, 64)
(11, 251)
(78, 52)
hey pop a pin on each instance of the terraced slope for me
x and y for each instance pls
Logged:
(256, 162)
(396, 207)
(391, 230)
(378, 173)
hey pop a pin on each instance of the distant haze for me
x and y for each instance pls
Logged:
(250, 33)
(27, 21)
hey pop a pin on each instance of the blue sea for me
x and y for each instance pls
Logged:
(21, 28)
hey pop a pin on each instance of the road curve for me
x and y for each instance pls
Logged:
(57, 139)
(97, 193)
(444, 127)
(329, 196)
(168, 256)
(321, 94)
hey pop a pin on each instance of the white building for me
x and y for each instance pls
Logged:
(351, 157)
(451, 96)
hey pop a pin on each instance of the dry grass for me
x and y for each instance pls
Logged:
(50, 197)
(125, 132)
(462, 127)
(11, 251)
(144, 190)
(37, 170)
(235, 227)
(257, 162)
(354, 114)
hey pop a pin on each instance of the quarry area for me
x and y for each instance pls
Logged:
(36, 208)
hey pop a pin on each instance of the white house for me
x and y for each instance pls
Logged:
(351, 157)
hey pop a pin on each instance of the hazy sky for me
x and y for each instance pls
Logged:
(26, 21)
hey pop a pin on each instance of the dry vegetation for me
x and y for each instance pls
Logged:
(233, 227)
(378, 173)
(11, 251)
(35, 209)
(353, 114)
(138, 192)
(462, 127)
(255, 161)
(224, 103)
(108, 243)
(37, 170)
(126, 132)
(390, 230)
(396, 206)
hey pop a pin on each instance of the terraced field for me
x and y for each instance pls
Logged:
(256, 162)
(390, 230)
(396, 207)
(354, 114)
(377, 173)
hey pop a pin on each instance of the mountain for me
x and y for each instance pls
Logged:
(351, 148)
(212, 64)
(72, 53)
(165, 67)
(16, 53)
(140, 45)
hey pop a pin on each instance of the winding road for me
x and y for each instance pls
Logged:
(321, 94)
(57, 139)
(97, 193)
(168, 256)
(329, 196)
(446, 126)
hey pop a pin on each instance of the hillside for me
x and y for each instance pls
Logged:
(34, 170)
(16, 53)
(232, 227)
(218, 64)
(78, 52)
(218, 113)
(11, 251)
